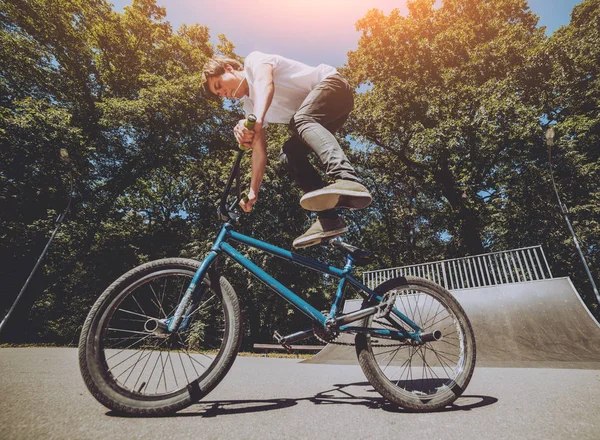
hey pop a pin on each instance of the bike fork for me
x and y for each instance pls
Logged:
(191, 293)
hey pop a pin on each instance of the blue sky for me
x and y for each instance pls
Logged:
(312, 31)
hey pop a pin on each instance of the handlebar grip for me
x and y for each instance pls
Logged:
(250, 121)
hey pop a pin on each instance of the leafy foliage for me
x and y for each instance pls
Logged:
(447, 134)
(456, 103)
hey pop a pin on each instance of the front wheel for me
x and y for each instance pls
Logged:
(131, 364)
(419, 376)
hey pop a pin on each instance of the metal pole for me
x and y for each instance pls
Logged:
(14, 306)
(585, 265)
(563, 210)
(59, 220)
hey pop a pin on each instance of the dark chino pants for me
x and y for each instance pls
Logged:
(322, 113)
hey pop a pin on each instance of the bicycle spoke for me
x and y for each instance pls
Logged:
(142, 356)
(437, 312)
(201, 306)
(406, 365)
(440, 351)
(444, 341)
(152, 373)
(162, 373)
(445, 335)
(142, 372)
(418, 309)
(440, 356)
(192, 359)
(124, 360)
(443, 365)
(131, 367)
(441, 320)
(138, 304)
(432, 374)
(127, 347)
(132, 320)
(124, 338)
(136, 314)
(424, 371)
(164, 291)
(129, 331)
(192, 363)
(410, 370)
(173, 369)
(183, 367)
(410, 313)
(392, 349)
(181, 292)
(428, 311)
(391, 355)
(158, 303)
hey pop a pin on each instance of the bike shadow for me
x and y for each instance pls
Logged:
(341, 394)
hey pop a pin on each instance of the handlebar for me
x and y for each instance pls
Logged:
(250, 122)
(227, 213)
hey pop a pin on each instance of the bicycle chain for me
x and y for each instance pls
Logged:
(351, 344)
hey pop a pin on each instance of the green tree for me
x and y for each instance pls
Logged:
(575, 107)
(122, 93)
(451, 102)
(150, 155)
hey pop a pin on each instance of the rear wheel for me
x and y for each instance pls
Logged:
(424, 376)
(131, 364)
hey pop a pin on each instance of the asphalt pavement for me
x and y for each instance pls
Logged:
(42, 395)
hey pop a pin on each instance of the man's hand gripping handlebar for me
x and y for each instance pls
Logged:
(228, 213)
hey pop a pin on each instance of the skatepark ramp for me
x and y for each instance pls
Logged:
(522, 317)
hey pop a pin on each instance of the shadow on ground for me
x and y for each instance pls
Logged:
(341, 394)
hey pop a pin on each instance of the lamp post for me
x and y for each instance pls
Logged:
(64, 155)
(550, 133)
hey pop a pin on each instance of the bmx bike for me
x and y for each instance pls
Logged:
(164, 334)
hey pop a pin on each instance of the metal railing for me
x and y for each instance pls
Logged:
(513, 266)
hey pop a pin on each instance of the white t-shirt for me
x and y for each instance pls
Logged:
(293, 82)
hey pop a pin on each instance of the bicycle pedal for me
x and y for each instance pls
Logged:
(278, 338)
(281, 340)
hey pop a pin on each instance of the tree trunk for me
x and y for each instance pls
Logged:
(469, 228)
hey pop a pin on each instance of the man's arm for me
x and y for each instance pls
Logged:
(259, 164)
(264, 89)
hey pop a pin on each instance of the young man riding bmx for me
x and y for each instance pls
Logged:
(314, 102)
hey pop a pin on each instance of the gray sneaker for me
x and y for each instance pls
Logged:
(322, 228)
(341, 194)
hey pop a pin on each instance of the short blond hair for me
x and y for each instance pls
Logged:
(216, 67)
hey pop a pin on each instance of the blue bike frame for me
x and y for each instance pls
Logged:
(222, 246)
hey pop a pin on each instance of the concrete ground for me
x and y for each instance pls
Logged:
(42, 395)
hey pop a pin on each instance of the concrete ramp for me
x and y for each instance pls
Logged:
(538, 324)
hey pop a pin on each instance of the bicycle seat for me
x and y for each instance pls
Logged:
(360, 256)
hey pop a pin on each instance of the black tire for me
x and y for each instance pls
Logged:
(119, 353)
(423, 377)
